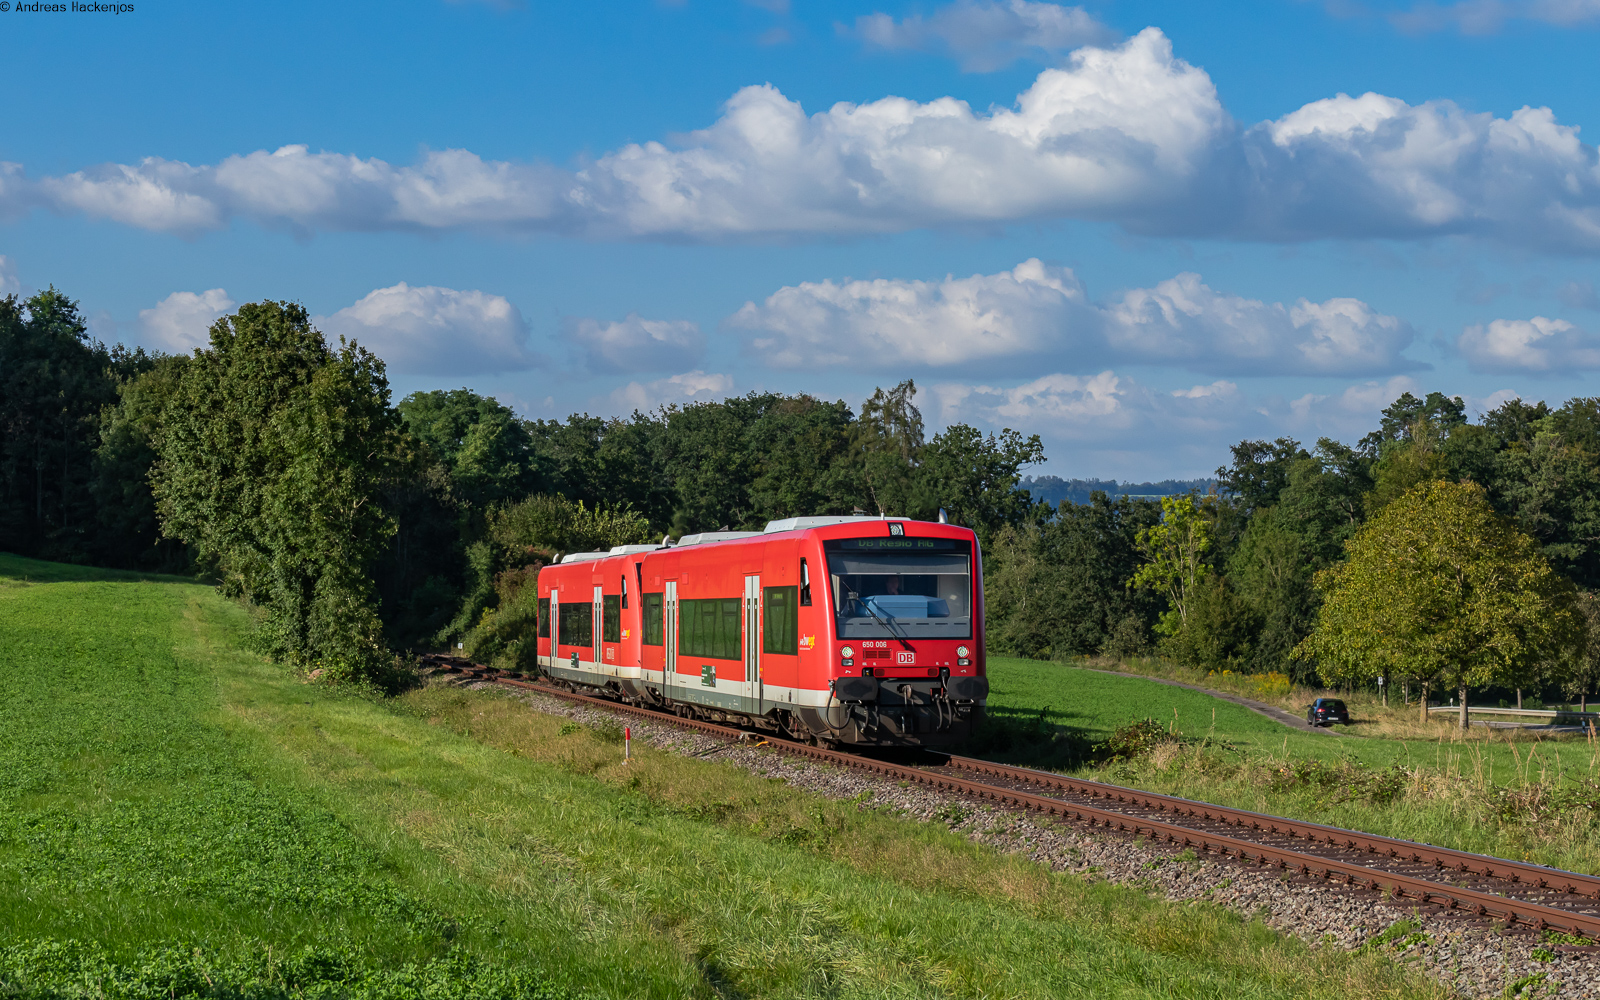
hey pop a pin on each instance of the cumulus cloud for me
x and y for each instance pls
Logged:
(436, 331)
(1183, 320)
(1129, 134)
(1487, 17)
(9, 283)
(880, 323)
(987, 35)
(1537, 345)
(182, 321)
(636, 344)
(1348, 414)
(1110, 424)
(1035, 312)
(690, 387)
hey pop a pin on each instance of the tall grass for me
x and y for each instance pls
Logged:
(1508, 793)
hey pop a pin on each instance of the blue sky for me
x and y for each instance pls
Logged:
(1143, 231)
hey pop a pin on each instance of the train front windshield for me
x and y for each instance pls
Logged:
(913, 588)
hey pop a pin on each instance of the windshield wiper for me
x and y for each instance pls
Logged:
(886, 626)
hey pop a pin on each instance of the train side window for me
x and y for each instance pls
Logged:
(780, 631)
(709, 628)
(654, 620)
(577, 624)
(610, 618)
(544, 617)
(805, 585)
(624, 590)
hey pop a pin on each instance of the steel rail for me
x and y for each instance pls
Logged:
(1400, 887)
(1442, 858)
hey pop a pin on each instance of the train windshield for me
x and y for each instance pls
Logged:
(914, 588)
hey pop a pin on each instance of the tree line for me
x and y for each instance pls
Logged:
(1243, 577)
(276, 463)
(352, 526)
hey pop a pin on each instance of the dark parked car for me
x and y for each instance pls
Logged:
(1327, 711)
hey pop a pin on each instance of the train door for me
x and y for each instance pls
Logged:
(752, 642)
(597, 633)
(555, 626)
(669, 637)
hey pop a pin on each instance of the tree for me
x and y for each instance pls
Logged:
(1057, 587)
(273, 455)
(1552, 491)
(129, 530)
(1271, 572)
(974, 479)
(54, 381)
(1401, 419)
(487, 450)
(1580, 672)
(889, 439)
(1174, 552)
(1439, 589)
(1260, 472)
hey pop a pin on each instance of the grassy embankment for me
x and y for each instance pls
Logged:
(199, 823)
(1492, 791)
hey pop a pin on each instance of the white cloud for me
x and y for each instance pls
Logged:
(1486, 17)
(9, 283)
(988, 35)
(182, 321)
(1182, 320)
(1129, 134)
(690, 387)
(1027, 310)
(1537, 345)
(1103, 408)
(1037, 312)
(1347, 415)
(636, 344)
(436, 331)
(1108, 424)
(1376, 166)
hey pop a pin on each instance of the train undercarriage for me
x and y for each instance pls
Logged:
(899, 713)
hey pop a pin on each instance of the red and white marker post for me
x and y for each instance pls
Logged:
(627, 738)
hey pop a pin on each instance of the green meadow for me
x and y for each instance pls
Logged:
(180, 818)
(1510, 795)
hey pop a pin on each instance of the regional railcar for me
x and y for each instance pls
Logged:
(834, 630)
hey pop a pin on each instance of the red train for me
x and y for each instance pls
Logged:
(859, 631)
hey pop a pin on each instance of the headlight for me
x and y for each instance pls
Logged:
(846, 651)
(962, 651)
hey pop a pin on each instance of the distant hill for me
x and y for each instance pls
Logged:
(1054, 489)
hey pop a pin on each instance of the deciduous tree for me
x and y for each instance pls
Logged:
(1439, 589)
(273, 455)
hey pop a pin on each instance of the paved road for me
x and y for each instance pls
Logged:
(1259, 707)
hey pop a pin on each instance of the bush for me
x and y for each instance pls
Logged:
(1347, 781)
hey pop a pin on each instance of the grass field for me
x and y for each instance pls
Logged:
(180, 818)
(1512, 796)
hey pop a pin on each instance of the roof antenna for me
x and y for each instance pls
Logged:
(666, 540)
(943, 517)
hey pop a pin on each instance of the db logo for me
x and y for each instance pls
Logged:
(905, 658)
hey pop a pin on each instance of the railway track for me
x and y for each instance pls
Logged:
(1513, 893)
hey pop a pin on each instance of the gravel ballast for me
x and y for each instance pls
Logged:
(1470, 956)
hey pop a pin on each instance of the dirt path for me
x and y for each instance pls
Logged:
(1259, 707)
